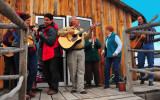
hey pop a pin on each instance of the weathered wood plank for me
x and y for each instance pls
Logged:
(58, 96)
(113, 16)
(131, 98)
(38, 95)
(89, 95)
(67, 94)
(76, 7)
(81, 8)
(9, 77)
(44, 95)
(19, 5)
(128, 63)
(121, 27)
(8, 26)
(3, 52)
(2, 66)
(71, 8)
(63, 4)
(12, 93)
(23, 63)
(50, 6)
(31, 12)
(144, 26)
(87, 8)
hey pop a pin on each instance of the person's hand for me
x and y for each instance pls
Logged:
(70, 32)
(114, 55)
(102, 53)
(94, 39)
(92, 27)
(35, 29)
(10, 39)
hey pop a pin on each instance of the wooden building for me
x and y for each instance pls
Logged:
(106, 12)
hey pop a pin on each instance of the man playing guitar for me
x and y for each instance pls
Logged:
(76, 56)
(147, 45)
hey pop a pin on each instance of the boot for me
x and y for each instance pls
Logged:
(142, 81)
(150, 83)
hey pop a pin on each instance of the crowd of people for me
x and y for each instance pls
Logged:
(82, 60)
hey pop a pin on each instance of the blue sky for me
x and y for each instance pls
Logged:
(149, 8)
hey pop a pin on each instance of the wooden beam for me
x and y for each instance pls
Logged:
(10, 14)
(128, 62)
(3, 52)
(23, 63)
(144, 71)
(153, 69)
(145, 51)
(143, 26)
(8, 26)
(144, 32)
(76, 7)
(11, 94)
(9, 77)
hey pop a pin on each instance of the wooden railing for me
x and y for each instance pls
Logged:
(128, 50)
(6, 11)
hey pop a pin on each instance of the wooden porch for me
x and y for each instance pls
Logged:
(141, 92)
(99, 93)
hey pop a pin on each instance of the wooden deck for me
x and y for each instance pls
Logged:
(98, 93)
(94, 93)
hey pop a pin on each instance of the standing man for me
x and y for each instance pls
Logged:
(147, 45)
(76, 57)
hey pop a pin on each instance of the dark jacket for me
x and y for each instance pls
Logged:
(49, 43)
(6, 36)
(91, 54)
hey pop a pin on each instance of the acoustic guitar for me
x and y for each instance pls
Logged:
(68, 41)
(31, 42)
(139, 39)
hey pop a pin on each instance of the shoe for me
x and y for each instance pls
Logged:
(51, 92)
(27, 97)
(31, 94)
(73, 91)
(117, 86)
(142, 81)
(98, 85)
(150, 83)
(36, 90)
(105, 87)
(83, 92)
(6, 90)
(87, 85)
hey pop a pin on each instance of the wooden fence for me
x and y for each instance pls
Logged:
(128, 50)
(6, 11)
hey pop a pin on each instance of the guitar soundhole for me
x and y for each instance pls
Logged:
(74, 39)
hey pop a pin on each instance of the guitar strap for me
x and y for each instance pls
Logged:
(79, 30)
(16, 36)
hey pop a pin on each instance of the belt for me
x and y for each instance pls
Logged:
(78, 49)
(147, 43)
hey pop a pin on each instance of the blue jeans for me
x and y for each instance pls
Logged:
(32, 69)
(116, 63)
(16, 61)
(150, 59)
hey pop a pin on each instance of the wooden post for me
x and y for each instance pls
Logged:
(23, 64)
(128, 62)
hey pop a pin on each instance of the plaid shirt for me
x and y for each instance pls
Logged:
(149, 38)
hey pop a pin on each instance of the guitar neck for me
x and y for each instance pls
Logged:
(88, 29)
(83, 31)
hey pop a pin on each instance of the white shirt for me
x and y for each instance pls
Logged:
(118, 41)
